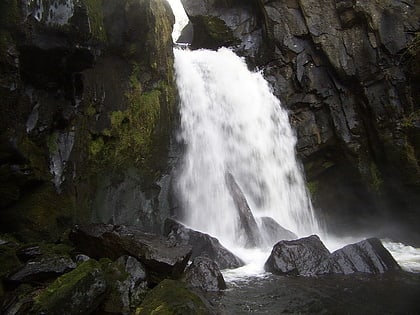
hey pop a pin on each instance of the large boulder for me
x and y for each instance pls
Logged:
(303, 257)
(204, 273)
(77, 292)
(160, 257)
(42, 268)
(247, 223)
(309, 257)
(202, 245)
(368, 256)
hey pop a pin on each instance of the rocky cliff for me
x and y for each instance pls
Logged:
(87, 97)
(347, 71)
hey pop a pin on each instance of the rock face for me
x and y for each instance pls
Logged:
(204, 273)
(161, 258)
(202, 245)
(88, 98)
(309, 257)
(348, 72)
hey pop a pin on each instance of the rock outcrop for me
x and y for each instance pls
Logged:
(88, 102)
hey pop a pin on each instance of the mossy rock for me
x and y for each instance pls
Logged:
(77, 292)
(172, 297)
(211, 32)
(40, 215)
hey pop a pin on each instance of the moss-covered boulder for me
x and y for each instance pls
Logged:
(172, 297)
(77, 292)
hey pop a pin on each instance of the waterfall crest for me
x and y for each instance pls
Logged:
(232, 123)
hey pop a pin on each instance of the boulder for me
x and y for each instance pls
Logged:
(77, 292)
(309, 257)
(247, 222)
(367, 256)
(161, 258)
(29, 252)
(273, 232)
(42, 268)
(172, 297)
(204, 273)
(202, 245)
(305, 257)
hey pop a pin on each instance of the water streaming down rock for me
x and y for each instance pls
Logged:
(232, 123)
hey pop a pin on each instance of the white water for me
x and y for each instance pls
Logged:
(231, 122)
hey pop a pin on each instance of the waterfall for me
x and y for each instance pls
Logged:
(232, 123)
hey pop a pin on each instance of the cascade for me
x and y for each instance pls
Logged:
(232, 123)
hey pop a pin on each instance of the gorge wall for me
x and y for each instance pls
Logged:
(347, 71)
(87, 98)
(88, 105)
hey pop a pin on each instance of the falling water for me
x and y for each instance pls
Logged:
(232, 123)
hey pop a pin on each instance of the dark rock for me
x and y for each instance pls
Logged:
(273, 232)
(42, 268)
(77, 292)
(202, 245)
(309, 257)
(368, 256)
(161, 258)
(305, 257)
(28, 252)
(248, 225)
(204, 273)
(172, 297)
(127, 285)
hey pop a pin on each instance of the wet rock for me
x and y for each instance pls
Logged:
(368, 256)
(309, 257)
(172, 297)
(161, 258)
(77, 292)
(28, 252)
(42, 268)
(204, 273)
(273, 232)
(299, 257)
(246, 219)
(202, 245)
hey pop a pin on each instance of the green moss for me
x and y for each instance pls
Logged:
(42, 214)
(52, 140)
(213, 32)
(376, 181)
(171, 297)
(96, 19)
(312, 187)
(38, 161)
(56, 296)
